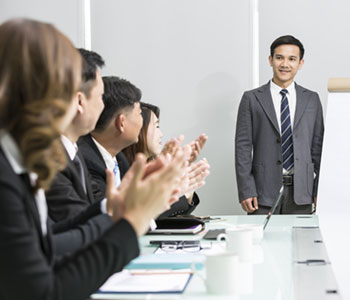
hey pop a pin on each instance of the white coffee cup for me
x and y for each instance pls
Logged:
(246, 278)
(222, 273)
(240, 241)
(258, 231)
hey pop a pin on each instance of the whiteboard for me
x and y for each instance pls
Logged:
(333, 205)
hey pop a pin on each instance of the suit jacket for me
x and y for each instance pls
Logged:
(27, 267)
(258, 150)
(97, 168)
(77, 232)
(66, 198)
(96, 165)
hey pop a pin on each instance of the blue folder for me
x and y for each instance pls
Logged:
(168, 261)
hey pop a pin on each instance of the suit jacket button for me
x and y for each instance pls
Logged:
(278, 140)
(279, 162)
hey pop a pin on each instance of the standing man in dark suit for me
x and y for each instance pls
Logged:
(279, 138)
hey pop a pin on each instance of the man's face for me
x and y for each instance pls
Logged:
(133, 123)
(285, 64)
(94, 104)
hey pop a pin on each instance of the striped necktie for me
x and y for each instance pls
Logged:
(116, 172)
(286, 129)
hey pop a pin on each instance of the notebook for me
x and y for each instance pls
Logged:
(212, 234)
(147, 281)
(175, 225)
(189, 230)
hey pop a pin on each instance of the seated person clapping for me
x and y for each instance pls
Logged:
(150, 144)
(40, 74)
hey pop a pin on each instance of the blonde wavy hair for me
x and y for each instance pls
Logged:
(40, 71)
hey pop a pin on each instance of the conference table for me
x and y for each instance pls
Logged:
(290, 262)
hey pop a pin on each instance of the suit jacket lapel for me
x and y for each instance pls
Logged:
(88, 139)
(78, 185)
(123, 164)
(89, 192)
(263, 94)
(300, 105)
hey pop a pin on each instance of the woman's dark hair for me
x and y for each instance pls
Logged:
(39, 75)
(141, 145)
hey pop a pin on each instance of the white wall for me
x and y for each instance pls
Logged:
(322, 26)
(64, 14)
(192, 59)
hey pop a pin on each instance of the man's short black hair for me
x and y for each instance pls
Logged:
(118, 94)
(287, 40)
(91, 62)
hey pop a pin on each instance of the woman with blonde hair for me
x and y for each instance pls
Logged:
(39, 76)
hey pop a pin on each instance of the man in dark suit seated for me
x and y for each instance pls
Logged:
(75, 216)
(71, 191)
(117, 128)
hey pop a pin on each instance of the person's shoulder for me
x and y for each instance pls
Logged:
(6, 170)
(91, 155)
(123, 163)
(87, 147)
(308, 93)
(253, 94)
(304, 89)
(260, 89)
(85, 141)
(8, 177)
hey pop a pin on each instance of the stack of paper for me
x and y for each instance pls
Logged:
(147, 281)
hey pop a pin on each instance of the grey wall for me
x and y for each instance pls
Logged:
(191, 58)
(66, 15)
(323, 27)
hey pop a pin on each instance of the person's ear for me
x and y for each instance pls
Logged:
(81, 102)
(301, 63)
(119, 123)
(270, 60)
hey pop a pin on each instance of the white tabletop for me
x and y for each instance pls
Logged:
(269, 277)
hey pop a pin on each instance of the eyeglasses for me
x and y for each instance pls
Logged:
(186, 246)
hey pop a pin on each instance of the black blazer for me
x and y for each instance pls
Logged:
(97, 168)
(66, 197)
(27, 267)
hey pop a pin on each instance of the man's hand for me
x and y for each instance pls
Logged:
(315, 205)
(140, 198)
(116, 196)
(250, 204)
